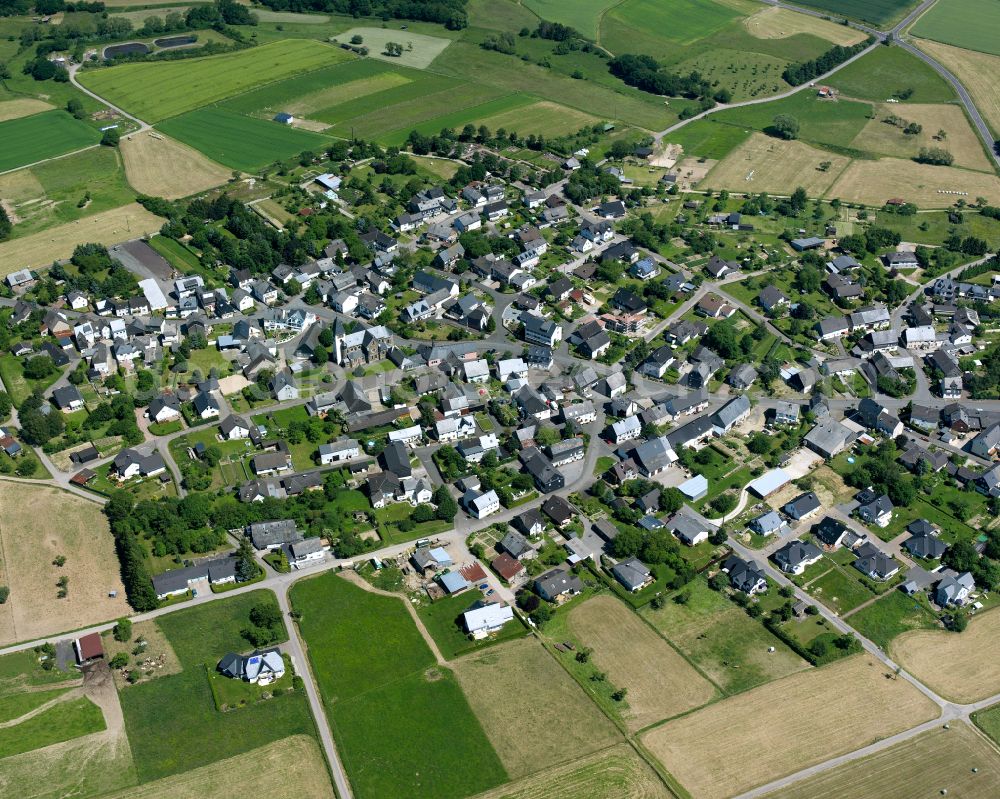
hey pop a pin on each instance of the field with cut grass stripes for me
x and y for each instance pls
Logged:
(240, 142)
(158, 91)
(30, 139)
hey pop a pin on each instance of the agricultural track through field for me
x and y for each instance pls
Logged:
(881, 38)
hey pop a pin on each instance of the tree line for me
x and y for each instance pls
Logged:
(804, 71)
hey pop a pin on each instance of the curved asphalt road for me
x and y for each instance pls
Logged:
(966, 99)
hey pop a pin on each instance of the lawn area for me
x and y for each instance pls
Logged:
(388, 518)
(972, 24)
(61, 722)
(18, 386)
(721, 640)
(839, 592)
(179, 256)
(891, 615)
(40, 136)
(172, 721)
(240, 142)
(887, 70)
(443, 620)
(157, 91)
(370, 660)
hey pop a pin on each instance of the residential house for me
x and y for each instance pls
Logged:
(796, 556)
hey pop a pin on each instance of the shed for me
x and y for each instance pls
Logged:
(453, 582)
(695, 488)
(88, 647)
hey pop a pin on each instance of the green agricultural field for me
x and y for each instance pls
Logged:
(822, 122)
(240, 142)
(158, 91)
(172, 721)
(722, 641)
(583, 15)
(469, 62)
(56, 192)
(35, 138)
(878, 12)
(706, 138)
(502, 15)
(681, 22)
(61, 722)
(891, 615)
(972, 24)
(890, 70)
(15, 705)
(507, 108)
(314, 92)
(370, 662)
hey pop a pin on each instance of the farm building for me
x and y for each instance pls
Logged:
(481, 621)
(283, 118)
(88, 648)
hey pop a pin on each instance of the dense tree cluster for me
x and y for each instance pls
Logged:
(936, 156)
(644, 72)
(804, 71)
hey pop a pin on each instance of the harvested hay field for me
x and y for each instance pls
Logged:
(963, 667)
(110, 227)
(780, 23)
(660, 682)
(508, 683)
(14, 109)
(40, 523)
(763, 163)
(616, 773)
(875, 182)
(935, 761)
(879, 136)
(291, 768)
(976, 71)
(542, 118)
(162, 167)
(786, 726)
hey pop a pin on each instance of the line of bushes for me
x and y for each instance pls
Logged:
(804, 71)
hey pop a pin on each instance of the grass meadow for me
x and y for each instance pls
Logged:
(72, 718)
(443, 620)
(972, 24)
(40, 136)
(681, 22)
(723, 641)
(371, 662)
(583, 15)
(55, 192)
(240, 142)
(892, 615)
(887, 71)
(172, 721)
(158, 91)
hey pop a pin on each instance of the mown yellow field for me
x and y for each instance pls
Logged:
(878, 136)
(14, 109)
(292, 768)
(163, 167)
(874, 182)
(977, 72)
(787, 725)
(38, 524)
(616, 773)
(766, 164)
(780, 23)
(41, 249)
(958, 760)
(963, 667)
(660, 682)
(507, 684)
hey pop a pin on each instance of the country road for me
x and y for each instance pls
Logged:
(895, 35)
